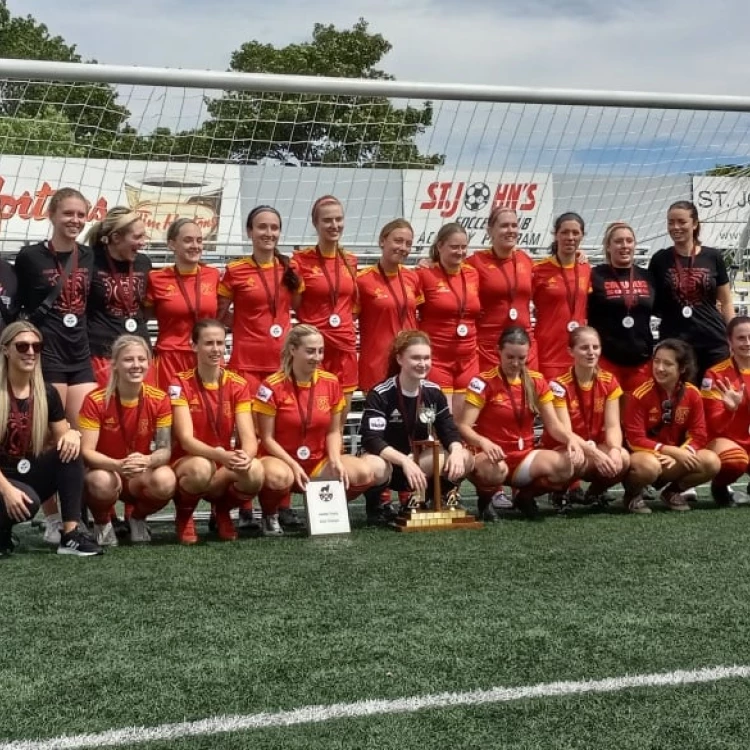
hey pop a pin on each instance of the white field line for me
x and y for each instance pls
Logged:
(316, 714)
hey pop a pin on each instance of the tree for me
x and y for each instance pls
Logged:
(729, 170)
(316, 130)
(49, 134)
(90, 108)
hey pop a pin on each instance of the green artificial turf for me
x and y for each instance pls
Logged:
(162, 633)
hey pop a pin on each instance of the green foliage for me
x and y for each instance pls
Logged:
(729, 170)
(47, 134)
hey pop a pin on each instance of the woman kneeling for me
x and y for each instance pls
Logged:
(666, 428)
(118, 424)
(210, 404)
(499, 420)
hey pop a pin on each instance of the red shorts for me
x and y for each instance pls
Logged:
(489, 356)
(253, 377)
(166, 366)
(344, 366)
(629, 378)
(553, 370)
(455, 375)
(515, 459)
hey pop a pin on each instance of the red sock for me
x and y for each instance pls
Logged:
(355, 490)
(186, 501)
(101, 516)
(734, 464)
(145, 505)
(286, 501)
(272, 501)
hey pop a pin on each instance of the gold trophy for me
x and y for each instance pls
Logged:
(439, 518)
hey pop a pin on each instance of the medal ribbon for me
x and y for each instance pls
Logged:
(628, 296)
(128, 291)
(304, 418)
(129, 440)
(66, 292)
(518, 413)
(570, 294)
(273, 299)
(403, 306)
(214, 418)
(194, 308)
(17, 416)
(588, 422)
(679, 269)
(333, 288)
(462, 299)
(511, 289)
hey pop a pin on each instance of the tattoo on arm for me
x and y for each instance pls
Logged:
(163, 446)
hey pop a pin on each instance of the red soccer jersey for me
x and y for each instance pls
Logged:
(176, 313)
(277, 397)
(720, 421)
(505, 417)
(645, 427)
(559, 295)
(504, 285)
(585, 403)
(326, 295)
(444, 296)
(387, 304)
(212, 410)
(129, 429)
(253, 345)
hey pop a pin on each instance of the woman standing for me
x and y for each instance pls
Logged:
(118, 286)
(180, 296)
(299, 413)
(498, 420)
(393, 419)
(560, 285)
(726, 398)
(505, 285)
(328, 293)
(666, 429)
(209, 406)
(449, 313)
(389, 294)
(620, 305)
(260, 290)
(118, 425)
(689, 280)
(31, 468)
(587, 402)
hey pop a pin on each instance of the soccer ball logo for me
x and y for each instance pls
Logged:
(477, 196)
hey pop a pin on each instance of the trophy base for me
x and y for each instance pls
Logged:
(432, 520)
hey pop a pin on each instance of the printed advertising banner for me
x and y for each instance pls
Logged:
(160, 192)
(724, 209)
(432, 199)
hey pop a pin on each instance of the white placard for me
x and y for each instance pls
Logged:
(724, 209)
(327, 508)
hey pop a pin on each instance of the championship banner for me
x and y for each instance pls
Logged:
(326, 507)
(724, 209)
(161, 192)
(432, 199)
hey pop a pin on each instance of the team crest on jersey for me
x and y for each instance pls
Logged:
(323, 403)
(264, 393)
(377, 423)
(143, 426)
(477, 385)
(208, 287)
(707, 384)
(379, 293)
(110, 423)
(175, 391)
(654, 413)
(395, 416)
(194, 404)
(557, 389)
(498, 398)
(599, 404)
(682, 414)
(442, 287)
(250, 283)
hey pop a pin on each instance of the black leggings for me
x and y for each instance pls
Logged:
(48, 475)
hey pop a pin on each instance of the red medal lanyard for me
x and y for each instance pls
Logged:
(66, 292)
(462, 299)
(679, 269)
(628, 295)
(129, 440)
(273, 299)
(519, 414)
(194, 308)
(215, 419)
(511, 289)
(128, 291)
(17, 416)
(304, 418)
(333, 288)
(403, 305)
(570, 294)
(588, 422)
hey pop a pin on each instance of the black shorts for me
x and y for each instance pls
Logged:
(83, 374)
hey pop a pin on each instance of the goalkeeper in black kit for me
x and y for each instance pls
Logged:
(404, 409)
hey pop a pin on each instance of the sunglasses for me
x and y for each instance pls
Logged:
(23, 347)
(666, 412)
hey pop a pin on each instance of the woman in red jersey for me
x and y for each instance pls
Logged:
(726, 399)
(259, 289)
(118, 424)
(620, 304)
(388, 297)
(449, 313)
(54, 282)
(299, 411)
(118, 286)
(665, 428)
(498, 420)
(505, 281)
(561, 283)
(180, 296)
(587, 401)
(209, 405)
(328, 294)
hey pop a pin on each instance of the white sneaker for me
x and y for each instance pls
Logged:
(105, 535)
(500, 501)
(52, 531)
(139, 531)
(271, 526)
(691, 495)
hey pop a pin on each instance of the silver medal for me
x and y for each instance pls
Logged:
(513, 313)
(462, 330)
(687, 311)
(628, 321)
(131, 325)
(70, 320)
(573, 325)
(24, 466)
(276, 330)
(303, 453)
(334, 320)
(521, 444)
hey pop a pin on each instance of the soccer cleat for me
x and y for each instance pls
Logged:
(559, 501)
(690, 495)
(7, 544)
(139, 530)
(121, 527)
(247, 520)
(185, 528)
(225, 526)
(271, 526)
(52, 531)
(76, 543)
(576, 496)
(105, 535)
(636, 505)
(485, 511)
(501, 501)
(385, 515)
(289, 519)
(674, 500)
(526, 505)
